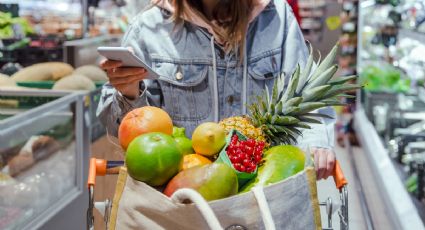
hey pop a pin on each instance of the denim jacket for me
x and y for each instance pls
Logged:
(199, 82)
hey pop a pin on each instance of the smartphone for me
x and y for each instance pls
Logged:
(127, 58)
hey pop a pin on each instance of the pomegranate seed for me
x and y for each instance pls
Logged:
(243, 156)
(242, 168)
(251, 143)
(246, 162)
(258, 158)
(238, 158)
(233, 159)
(237, 166)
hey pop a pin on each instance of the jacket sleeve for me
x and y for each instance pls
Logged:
(295, 52)
(113, 106)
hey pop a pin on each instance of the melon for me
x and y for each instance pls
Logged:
(74, 82)
(6, 81)
(48, 71)
(93, 72)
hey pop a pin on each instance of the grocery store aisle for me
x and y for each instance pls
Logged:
(366, 208)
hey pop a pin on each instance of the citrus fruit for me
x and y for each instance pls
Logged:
(153, 158)
(184, 143)
(208, 138)
(143, 120)
(192, 160)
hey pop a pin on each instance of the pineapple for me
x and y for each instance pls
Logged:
(244, 125)
(280, 116)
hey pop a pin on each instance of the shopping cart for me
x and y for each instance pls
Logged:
(101, 167)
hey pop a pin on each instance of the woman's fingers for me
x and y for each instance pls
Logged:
(127, 79)
(330, 164)
(125, 72)
(110, 64)
(324, 161)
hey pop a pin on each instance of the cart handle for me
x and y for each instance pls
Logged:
(338, 176)
(101, 167)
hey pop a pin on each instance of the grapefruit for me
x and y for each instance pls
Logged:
(153, 158)
(143, 120)
(192, 160)
(208, 139)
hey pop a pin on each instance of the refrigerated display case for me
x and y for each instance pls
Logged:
(390, 116)
(44, 151)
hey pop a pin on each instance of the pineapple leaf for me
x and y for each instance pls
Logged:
(316, 92)
(338, 89)
(267, 97)
(342, 80)
(275, 92)
(291, 110)
(326, 63)
(321, 115)
(303, 125)
(310, 106)
(293, 101)
(263, 107)
(281, 129)
(292, 85)
(295, 130)
(323, 78)
(279, 107)
(284, 120)
(310, 120)
(281, 85)
(306, 72)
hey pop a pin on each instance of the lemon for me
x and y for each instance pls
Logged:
(208, 139)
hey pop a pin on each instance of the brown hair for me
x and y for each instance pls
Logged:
(231, 18)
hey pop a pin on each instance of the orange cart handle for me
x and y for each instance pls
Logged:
(100, 167)
(338, 176)
(91, 181)
(96, 167)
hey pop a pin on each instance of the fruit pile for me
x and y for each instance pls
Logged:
(257, 152)
(245, 155)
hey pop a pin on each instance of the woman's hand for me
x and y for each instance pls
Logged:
(324, 162)
(124, 79)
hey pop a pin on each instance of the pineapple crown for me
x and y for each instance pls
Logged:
(283, 113)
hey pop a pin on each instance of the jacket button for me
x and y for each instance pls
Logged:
(230, 99)
(179, 76)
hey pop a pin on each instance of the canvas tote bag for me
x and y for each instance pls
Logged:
(290, 204)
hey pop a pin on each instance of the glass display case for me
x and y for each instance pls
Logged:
(390, 117)
(44, 150)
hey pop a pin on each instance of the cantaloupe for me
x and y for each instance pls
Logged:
(93, 72)
(6, 81)
(74, 82)
(48, 71)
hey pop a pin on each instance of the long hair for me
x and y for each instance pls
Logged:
(229, 22)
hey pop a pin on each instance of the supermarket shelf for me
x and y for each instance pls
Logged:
(311, 4)
(407, 33)
(400, 205)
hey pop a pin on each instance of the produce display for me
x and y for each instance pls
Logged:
(239, 152)
(55, 76)
(384, 77)
(7, 22)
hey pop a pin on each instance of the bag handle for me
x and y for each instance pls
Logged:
(185, 194)
(264, 207)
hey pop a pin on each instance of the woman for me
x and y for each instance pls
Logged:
(212, 56)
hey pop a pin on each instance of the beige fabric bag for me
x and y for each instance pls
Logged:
(290, 204)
